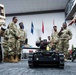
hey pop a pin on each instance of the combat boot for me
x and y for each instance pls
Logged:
(6, 59)
(16, 58)
(11, 59)
(19, 57)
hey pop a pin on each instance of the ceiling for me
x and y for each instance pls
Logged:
(24, 6)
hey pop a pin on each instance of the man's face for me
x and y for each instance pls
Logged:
(15, 20)
(48, 37)
(64, 26)
(55, 28)
(22, 26)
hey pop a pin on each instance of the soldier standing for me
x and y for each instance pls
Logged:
(21, 40)
(55, 40)
(65, 35)
(13, 37)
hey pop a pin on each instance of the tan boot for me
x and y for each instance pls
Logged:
(11, 59)
(16, 58)
(6, 59)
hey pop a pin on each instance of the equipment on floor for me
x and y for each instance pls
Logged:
(43, 57)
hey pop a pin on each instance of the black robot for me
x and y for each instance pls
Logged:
(42, 57)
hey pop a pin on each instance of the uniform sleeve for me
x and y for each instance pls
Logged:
(11, 29)
(24, 35)
(70, 34)
(6, 34)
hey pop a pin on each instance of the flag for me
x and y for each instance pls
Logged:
(42, 27)
(32, 27)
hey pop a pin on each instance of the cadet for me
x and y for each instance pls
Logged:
(55, 39)
(22, 39)
(13, 37)
(65, 35)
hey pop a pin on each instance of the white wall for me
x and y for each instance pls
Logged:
(59, 18)
(73, 30)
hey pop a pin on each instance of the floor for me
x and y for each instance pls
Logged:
(22, 68)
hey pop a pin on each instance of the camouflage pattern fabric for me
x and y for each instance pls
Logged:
(55, 39)
(13, 37)
(5, 44)
(64, 41)
(21, 40)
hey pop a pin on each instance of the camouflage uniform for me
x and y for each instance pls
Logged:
(49, 40)
(66, 35)
(5, 44)
(49, 45)
(13, 37)
(21, 40)
(55, 39)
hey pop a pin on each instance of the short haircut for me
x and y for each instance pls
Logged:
(64, 23)
(54, 26)
(14, 18)
(20, 23)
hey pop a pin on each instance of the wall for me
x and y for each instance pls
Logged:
(37, 19)
(73, 30)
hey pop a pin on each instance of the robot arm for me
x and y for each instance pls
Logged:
(72, 21)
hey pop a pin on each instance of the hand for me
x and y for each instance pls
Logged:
(17, 37)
